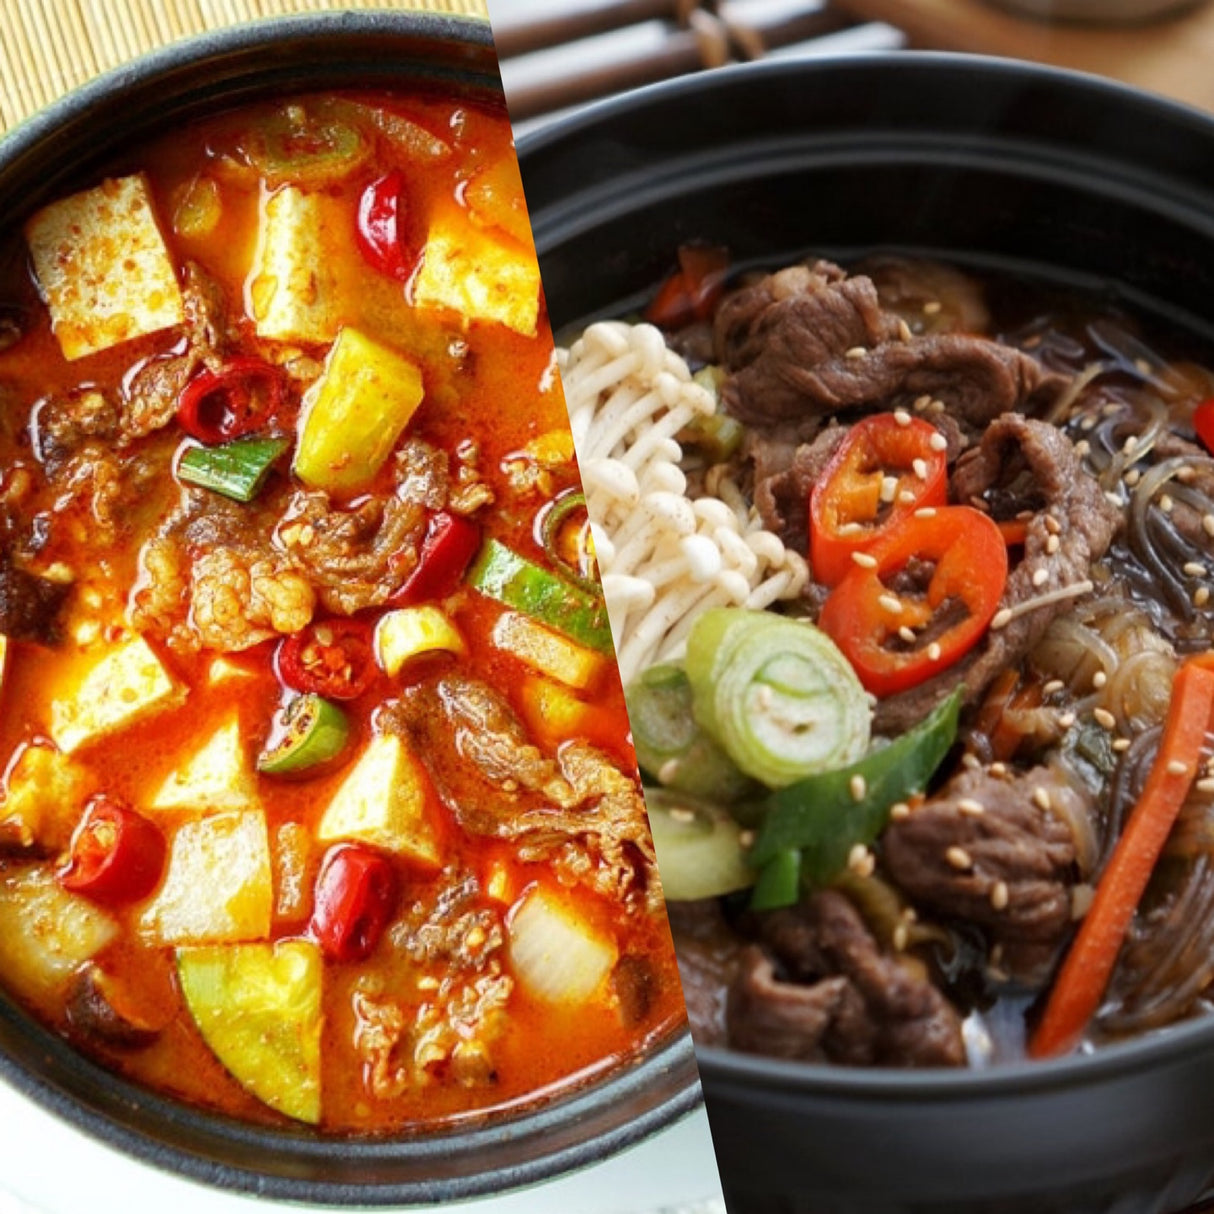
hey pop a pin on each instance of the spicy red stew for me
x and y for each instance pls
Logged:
(319, 800)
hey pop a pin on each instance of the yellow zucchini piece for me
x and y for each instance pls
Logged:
(354, 413)
(104, 268)
(127, 685)
(218, 888)
(219, 775)
(411, 631)
(553, 713)
(483, 274)
(546, 651)
(258, 1007)
(383, 802)
(44, 794)
(495, 198)
(293, 290)
(46, 933)
(555, 953)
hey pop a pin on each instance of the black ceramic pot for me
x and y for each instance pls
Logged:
(65, 146)
(996, 164)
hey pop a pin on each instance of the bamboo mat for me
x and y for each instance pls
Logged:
(50, 46)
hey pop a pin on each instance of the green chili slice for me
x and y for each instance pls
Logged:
(313, 731)
(237, 470)
(824, 816)
(556, 518)
(502, 574)
(303, 148)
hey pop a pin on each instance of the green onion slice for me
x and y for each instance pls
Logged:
(237, 470)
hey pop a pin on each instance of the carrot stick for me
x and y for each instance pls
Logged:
(1089, 965)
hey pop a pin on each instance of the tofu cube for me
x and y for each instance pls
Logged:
(481, 273)
(383, 802)
(127, 685)
(218, 888)
(354, 413)
(43, 796)
(46, 933)
(104, 268)
(293, 288)
(219, 775)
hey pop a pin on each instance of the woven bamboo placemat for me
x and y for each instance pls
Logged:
(50, 46)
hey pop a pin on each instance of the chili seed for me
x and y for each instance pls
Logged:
(959, 858)
(858, 787)
(999, 895)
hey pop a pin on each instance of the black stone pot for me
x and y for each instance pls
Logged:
(989, 162)
(65, 146)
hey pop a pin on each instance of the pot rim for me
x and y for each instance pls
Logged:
(721, 1067)
(185, 1138)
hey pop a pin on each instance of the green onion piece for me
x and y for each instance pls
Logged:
(823, 817)
(699, 847)
(776, 694)
(237, 470)
(670, 744)
(779, 883)
(305, 149)
(557, 515)
(312, 731)
(504, 575)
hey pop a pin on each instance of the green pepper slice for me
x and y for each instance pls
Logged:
(313, 730)
(824, 816)
(307, 149)
(504, 575)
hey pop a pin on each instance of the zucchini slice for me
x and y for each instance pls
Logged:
(258, 1007)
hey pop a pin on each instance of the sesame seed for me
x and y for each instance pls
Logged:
(746, 838)
(1177, 767)
(1104, 717)
(936, 406)
(1083, 448)
(1112, 498)
(999, 895)
(920, 467)
(1129, 444)
(1132, 477)
(1144, 367)
(1052, 544)
(938, 442)
(858, 787)
(1052, 525)
(864, 560)
(1052, 686)
(892, 603)
(1166, 504)
(998, 769)
(922, 402)
(902, 417)
(971, 761)
(906, 497)
(904, 330)
(1205, 784)
(1121, 744)
(1041, 797)
(1195, 569)
(933, 652)
(1024, 515)
(932, 307)
(855, 352)
(1088, 423)
(1099, 679)
(1040, 577)
(1207, 524)
(889, 488)
(1066, 720)
(1001, 619)
(680, 813)
(668, 772)
(1201, 596)
(907, 634)
(1186, 473)
(970, 807)
(901, 937)
(850, 528)
(857, 856)
(899, 810)
(958, 857)
(926, 512)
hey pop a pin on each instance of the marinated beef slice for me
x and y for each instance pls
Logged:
(995, 850)
(1071, 526)
(821, 990)
(811, 341)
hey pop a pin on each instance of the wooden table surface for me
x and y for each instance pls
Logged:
(1174, 57)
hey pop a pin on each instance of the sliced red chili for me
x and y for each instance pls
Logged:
(116, 855)
(883, 471)
(1203, 423)
(332, 658)
(450, 544)
(356, 893)
(865, 613)
(242, 396)
(692, 292)
(381, 228)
